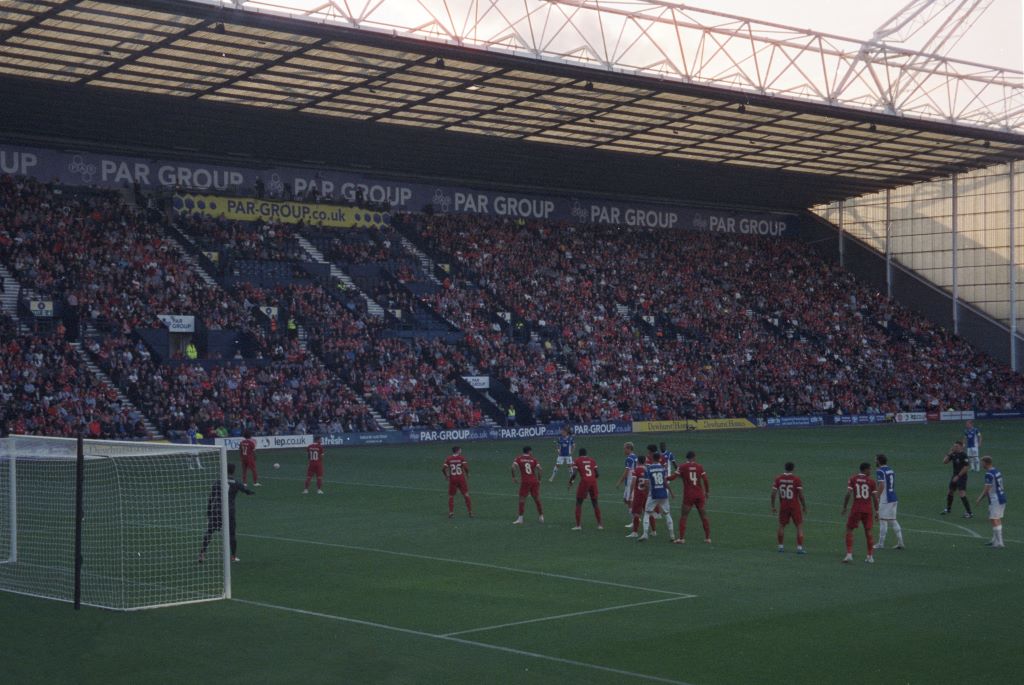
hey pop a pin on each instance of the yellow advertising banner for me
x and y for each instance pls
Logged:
(281, 211)
(690, 425)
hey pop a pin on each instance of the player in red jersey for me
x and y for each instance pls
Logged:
(865, 503)
(586, 468)
(455, 469)
(696, 490)
(528, 469)
(792, 506)
(315, 466)
(638, 497)
(247, 455)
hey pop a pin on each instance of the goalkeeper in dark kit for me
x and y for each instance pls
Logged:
(214, 513)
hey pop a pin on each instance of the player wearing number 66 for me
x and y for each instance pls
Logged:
(792, 506)
(865, 503)
(528, 469)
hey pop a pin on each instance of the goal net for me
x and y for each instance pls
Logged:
(145, 512)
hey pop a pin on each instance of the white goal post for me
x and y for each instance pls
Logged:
(145, 509)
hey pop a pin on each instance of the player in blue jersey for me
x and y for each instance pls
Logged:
(627, 477)
(657, 498)
(668, 458)
(566, 442)
(996, 495)
(885, 478)
(972, 436)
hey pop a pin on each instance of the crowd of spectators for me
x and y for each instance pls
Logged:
(645, 324)
(44, 390)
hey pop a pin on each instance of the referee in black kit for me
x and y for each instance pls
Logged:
(961, 464)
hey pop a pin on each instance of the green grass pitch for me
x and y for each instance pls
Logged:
(371, 583)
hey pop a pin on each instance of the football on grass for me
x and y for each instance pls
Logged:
(276, 465)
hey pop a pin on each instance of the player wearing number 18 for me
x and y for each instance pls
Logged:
(695, 494)
(792, 506)
(865, 503)
(455, 469)
(528, 469)
(657, 497)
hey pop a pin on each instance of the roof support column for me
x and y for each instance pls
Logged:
(1013, 270)
(842, 240)
(956, 291)
(888, 243)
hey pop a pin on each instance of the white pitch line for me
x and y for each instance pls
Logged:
(560, 616)
(479, 564)
(458, 640)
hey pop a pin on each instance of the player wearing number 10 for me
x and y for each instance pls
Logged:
(315, 466)
(528, 468)
(455, 469)
(865, 502)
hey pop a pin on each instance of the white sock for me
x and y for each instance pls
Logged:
(899, 532)
(998, 532)
(883, 528)
(554, 472)
(647, 523)
(671, 526)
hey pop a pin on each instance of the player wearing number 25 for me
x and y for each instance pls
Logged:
(695, 494)
(528, 470)
(455, 469)
(865, 504)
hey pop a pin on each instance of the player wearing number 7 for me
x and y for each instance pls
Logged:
(865, 502)
(528, 468)
(696, 490)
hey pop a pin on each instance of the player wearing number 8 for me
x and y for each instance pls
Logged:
(528, 469)
(865, 503)
(792, 506)
(455, 469)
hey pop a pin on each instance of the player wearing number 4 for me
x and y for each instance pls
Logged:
(886, 480)
(455, 469)
(696, 490)
(996, 496)
(315, 466)
(865, 503)
(528, 468)
(586, 468)
(792, 505)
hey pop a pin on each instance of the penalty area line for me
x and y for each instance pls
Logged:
(463, 641)
(478, 564)
(574, 614)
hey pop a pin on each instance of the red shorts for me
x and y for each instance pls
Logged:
(694, 500)
(639, 503)
(457, 485)
(795, 515)
(584, 489)
(532, 489)
(315, 468)
(859, 517)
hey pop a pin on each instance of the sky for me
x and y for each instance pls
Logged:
(995, 39)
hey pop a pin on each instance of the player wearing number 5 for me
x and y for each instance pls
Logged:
(528, 469)
(586, 468)
(315, 466)
(455, 469)
(696, 490)
(792, 505)
(865, 503)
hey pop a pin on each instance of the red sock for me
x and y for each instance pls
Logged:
(707, 528)
(520, 508)
(597, 513)
(319, 483)
(871, 542)
(779, 536)
(577, 515)
(255, 476)
(636, 523)
(682, 527)
(799, 539)
(654, 525)
(849, 542)
(469, 505)
(451, 505)
(540, 508)
(305, 486)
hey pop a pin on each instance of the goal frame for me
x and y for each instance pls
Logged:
(158, 449)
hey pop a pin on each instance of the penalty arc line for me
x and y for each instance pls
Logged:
(462, 641)
(479, 564)
(570, 615)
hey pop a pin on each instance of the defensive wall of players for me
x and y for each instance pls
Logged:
(551, 430)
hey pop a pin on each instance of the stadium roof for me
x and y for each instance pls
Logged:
(200, 52)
